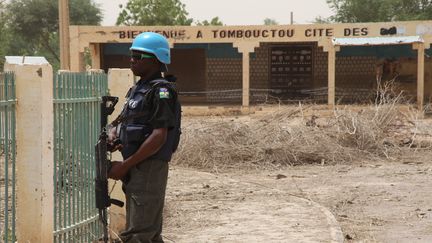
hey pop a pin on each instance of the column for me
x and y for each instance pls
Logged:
(328, 47)
(246, 79)
(76, 52)
(246, 48)
(95, 55)
(420, 47)
(119, 82)
(331, 77)
(35, 155)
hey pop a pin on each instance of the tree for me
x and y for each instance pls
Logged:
(4, 34)
(151, 12)
(33, 25)
(214, 21)
(321, 20)
(269, 21)
(351, 11)
(414, 10)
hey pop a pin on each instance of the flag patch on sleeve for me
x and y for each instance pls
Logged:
(164, 93)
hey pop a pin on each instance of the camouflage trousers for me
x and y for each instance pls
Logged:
(145, 195)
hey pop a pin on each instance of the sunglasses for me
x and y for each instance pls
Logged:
(141, 56)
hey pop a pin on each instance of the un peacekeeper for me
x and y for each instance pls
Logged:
(148, 139)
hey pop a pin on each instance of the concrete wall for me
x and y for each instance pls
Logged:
(407, 79)
(260, 67)
(224, 74)
(259, 73)
(320, 67)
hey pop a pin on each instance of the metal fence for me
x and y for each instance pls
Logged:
(76, 127)
(7, 157)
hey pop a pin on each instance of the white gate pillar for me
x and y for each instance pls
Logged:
(35, 155)
(119, 82)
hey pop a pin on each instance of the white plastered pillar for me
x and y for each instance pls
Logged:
(420, 47)
(35, 155)
(95, 55)
(76, 52)
(331, 69)
(119, 82)
(246, 48)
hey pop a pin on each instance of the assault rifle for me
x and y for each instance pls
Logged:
(103, 165)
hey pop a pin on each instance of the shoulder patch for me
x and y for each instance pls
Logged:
(164, 93)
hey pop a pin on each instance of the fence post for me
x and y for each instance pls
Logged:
(119, 82)
(34, 135)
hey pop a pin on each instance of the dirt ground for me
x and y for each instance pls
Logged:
(372, 201)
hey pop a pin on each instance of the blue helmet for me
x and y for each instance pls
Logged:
(153, 43)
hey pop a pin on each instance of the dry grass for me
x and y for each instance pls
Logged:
(289, 137)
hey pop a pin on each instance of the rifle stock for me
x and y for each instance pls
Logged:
(103, 200)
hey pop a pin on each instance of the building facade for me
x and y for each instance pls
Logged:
(328, 63)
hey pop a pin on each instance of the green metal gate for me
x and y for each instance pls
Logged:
(76, 128)
(7, 157)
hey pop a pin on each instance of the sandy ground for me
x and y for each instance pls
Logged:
(204, 207)
(372, 202)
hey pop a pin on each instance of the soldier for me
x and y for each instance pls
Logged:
(149, 134)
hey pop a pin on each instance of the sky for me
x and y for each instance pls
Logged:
(238, 12)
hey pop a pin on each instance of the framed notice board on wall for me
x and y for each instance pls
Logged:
(291, 69)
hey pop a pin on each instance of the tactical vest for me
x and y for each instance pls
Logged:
(135, 127)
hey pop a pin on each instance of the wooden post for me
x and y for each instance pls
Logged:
(64, 34)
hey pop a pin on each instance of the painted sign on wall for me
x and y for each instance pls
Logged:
(247, 33)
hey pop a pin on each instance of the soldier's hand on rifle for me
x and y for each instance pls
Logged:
(114, 146)
(118, 170)
(113, 141)
(112, 133)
